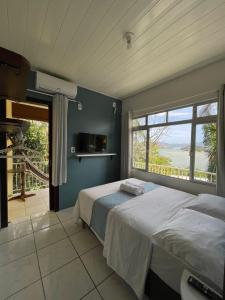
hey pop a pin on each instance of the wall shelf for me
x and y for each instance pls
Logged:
(85, 155)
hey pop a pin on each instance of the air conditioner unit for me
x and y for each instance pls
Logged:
(54, 85)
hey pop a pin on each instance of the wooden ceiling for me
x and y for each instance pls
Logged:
(82, 40)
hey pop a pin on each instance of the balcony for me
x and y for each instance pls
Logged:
(181, 173)
(32, 182)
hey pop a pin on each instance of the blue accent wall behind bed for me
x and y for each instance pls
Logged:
(96, 117)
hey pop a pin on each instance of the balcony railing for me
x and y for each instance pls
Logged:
(31, 181)
(181, 173)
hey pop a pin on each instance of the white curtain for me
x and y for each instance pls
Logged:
(126, 140)
(221, 144)
(59, 140)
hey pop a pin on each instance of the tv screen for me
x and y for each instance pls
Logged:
(92, 143)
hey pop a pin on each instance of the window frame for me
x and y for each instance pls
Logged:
(194, 121)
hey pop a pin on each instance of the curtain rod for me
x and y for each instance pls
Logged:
(51, 95)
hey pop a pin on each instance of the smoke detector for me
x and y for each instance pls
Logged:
(128, 38)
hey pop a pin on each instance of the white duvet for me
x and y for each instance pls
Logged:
(87, 197)
(199, 243)
(129, 230)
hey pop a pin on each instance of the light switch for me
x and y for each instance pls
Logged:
(73, 149)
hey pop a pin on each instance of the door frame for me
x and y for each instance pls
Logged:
(53, 191)
(3, 173)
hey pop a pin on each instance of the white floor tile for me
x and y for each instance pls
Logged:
(55, 256)
(39, 202)
(34, 292)
(49, 235)
(70, 282)
(36, 209)
(84, 241)
(15, 231)
(94, 295)
(115, 288)
(65, 214)
(16, 249)
(33, 201)
(40, 214)
(44, 221)
(20, 220)
(72, 228)
(96, 264)
(18, 274)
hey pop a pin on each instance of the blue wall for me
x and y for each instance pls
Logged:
(96, 117)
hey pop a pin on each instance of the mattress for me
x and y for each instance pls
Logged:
(161, 263)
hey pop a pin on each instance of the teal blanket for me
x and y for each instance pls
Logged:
(103, 205)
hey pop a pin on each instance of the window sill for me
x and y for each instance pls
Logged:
(177, 178)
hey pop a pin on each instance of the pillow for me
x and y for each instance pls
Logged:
(198, 241)
(209, 204)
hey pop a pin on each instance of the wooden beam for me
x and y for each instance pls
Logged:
(29, 112)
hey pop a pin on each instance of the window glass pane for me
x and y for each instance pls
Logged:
(180, 114)
(209, 109)
(139, 122)
(157, 118)
(139, 149)
(169, 150)
(205, 153)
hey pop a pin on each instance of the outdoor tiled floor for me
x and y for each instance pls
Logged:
(47, 256)
(32, 205)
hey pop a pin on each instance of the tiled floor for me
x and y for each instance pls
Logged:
(32, 205)
(47, 256)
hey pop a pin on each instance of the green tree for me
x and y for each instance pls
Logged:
(36, 138)
(209, 141)
(139, 147)
(155, 158)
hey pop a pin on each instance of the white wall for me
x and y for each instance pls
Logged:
(181, 90)
(192, 87)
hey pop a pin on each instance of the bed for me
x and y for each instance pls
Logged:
(132, 221)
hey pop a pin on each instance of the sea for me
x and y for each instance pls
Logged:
(181, 158)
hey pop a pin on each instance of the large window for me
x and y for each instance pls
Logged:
(180, 143)
(139, 149)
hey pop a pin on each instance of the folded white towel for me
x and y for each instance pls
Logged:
(132, 188)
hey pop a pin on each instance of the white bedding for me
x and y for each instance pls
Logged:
(87, 197)
(195, 234)
(129, 230)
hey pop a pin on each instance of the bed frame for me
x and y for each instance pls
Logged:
(155, 288)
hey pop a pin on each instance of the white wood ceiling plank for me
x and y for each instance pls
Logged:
(36, 16)
(82, 39)
(4, 30)
(113, 16)
(153, 32)
(134, 14)
(55, 17)
(74, 17)
(197, 19)
(95, 13)
(187, 57)
(110, 48)
(194, 60)
(157, 13)
(17, 14)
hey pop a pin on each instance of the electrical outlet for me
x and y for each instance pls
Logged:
(73, 149)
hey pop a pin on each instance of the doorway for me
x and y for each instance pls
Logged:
(28, 177)
(27, 190)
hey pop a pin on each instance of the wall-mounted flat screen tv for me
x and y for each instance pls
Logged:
(91, 143)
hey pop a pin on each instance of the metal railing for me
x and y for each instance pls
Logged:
(31, 181)
(181, 173)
